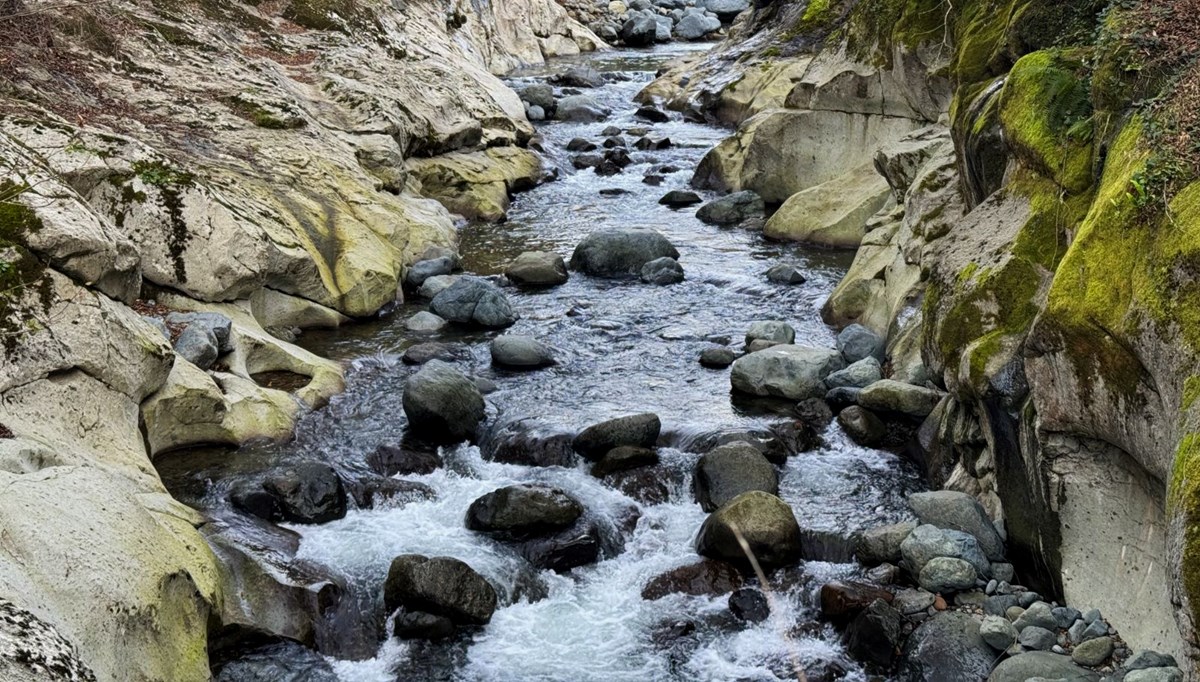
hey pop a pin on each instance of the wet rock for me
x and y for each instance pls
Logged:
(895, 396)
(857, 375)
(647, 485)
(442, 404)
(579, 77)
(255, 501)
(1038, 615)
(874, 634)
(580, 109)
(662, 271)
(883, 574)
(1035, 664)
(648, 144)
(841, 398)
(373, 492)
(882, 544)
(998, 632)
(653, 180)
(435, 285)
(706, 577)
(826, 545)
(732, 209)
(282, 661)
(474, 301)
(947, 575)
(442, 586)
(614, 141)
(615, 253)
(765, 522)
(1093, 652)
(520, 352)
(770, 330)
(523, 511)
(579, 144)
(309, 492)
(717, 358)
(198, 345)
(423, 270)
(219, 325)
(424, 321)
(926, 542)
(959, 511)
(422, 353)
(726, 7)
(947, 647)
(862, 426)
(793, 372)
(842, 601)
(587, 161)
(540, 95)
(613, 192)
(749, 604)
(654, 115)
(639, 31)
(392, 460)
(530, 444)
(537, 269)
(564, 551)
(624, 458)
(856, 342)
(678, 198)
(597, 440)
(785, 273)
(814, 412)
(730, 470)
(420, 625)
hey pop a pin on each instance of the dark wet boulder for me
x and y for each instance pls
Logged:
(718, 357)
(624, 458)
(764, 521)
(732, 209)
(862, 426)
(537, 269)
(309, 492)
(422, 353)
(857, 342)
(706, 577)
(640, 30)
(474, 301)
(841, 398)
(786, 273)
(540, 95)
(579, 77)
(515, 351)
(648, 144)
(1041, 664)
(420, 625)
(617, 253)
(442, 586)
(423, 270)
(639, 430)
(749, 604)
(523, 511)
(662, 271)
(574, 547)
(874, 634)
(198, 345)
(947, 647)
(841, 601)
(652, 114)
(529, 443)
(390, 460)
(579, 144)
(678, 198)
(583, 161)
(730, 470)
(254, 500)
(442, 404)
(648, 485)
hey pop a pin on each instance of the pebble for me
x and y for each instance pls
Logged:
(1065, 616)
(991, 587)
(1025, 599)
(1092, 616)
(1003, 572)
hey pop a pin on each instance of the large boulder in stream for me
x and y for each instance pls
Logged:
(640, 430)
(309, 492)
(442, 404)
(537, 269)
(948, 646)
(731, 209)
(523, 511)
(442, 586)
(764, 521)
(620, 253)
(785, 371)
(729, 470)
(520, 352)
(474, 301)
(640, 30)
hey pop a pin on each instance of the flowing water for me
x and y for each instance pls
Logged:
(623, 347)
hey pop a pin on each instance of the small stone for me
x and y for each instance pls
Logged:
(424, 321)
(1155, 675)
(1092, 616)
(785, 273)
(1037, 615)
(1003, 572)
(1037, 639)
(1075, 632)
(909, 602)
(991, 587)
(939, 603)
(999, 604)
(717, 358)
(998, 632)
(1065, 616)
(1094, 629)
(680, 199)
(884, 574)
(1025, 599)
(1093, 652)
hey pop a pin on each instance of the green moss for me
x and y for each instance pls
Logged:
(1183, 501)
(1043, 108)
(967, 273)
(1002, 300)
(326, 15)
(16, 219)
(171, 184)
(261, 116)
(1191, 391)
(159, 174)
(875, 27)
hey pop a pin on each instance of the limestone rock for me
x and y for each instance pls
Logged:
(894, 396)
(834, 213)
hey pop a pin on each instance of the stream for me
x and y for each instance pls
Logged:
(623, 347)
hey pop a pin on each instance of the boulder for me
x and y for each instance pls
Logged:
(616, 253)
(717, 358)
(220, 326)
(770, 330)
(926, 542)
(579, 77)
(474, 301)
(640, 30)
(874, 634)
(862, 426)
(678, 198)
(947, 575)
(420, 625)
(1038, 615)
(842, 601)
(881, 544)
(1155, 675)
(841, 398)
(580, 109)
(793, 372)
(442, 404)
(198, 345)
(424, 321)
(435, 285)
(442, 586)
(1093, 652)
(732, 209)
(764, 521)
(662, 271)
(520, 352)
(856, 342)
(523, 511)
(730, 470)
(695, 26)
(749, 604)
(1041, 664)
(998, 632)
(639, 430)
(656, 115)
(577, 546)
(423, 270)
(422, 353)
(959, 511)
(537, 269)
(786, 273)
(1149, 659)
(579, 144)
(703, 578)
(889, 395)
(859, 374)
(309, 492)
(947, 647)
(539, 95)
(624, 458)
(832, 214)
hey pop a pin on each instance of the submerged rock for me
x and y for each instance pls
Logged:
(732, 209)
(278, 662)
(443, 586)
(786, 273)
(442, 404)
(662, 271)
(706, 577)
(764, 521)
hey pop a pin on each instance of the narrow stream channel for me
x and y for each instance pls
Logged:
(622, 347)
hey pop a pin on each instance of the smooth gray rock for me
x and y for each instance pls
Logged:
(1033, 664)
(308, 492)
(793, 372)
(424, 321)
(998, 632)
(639, 430)
(767, 524)
(1004, 572)
(1149, 659)
(1155, 675)
(197, 345)
(717, 358)
(436, 284)
(695, 26)
(639, 31)
(580, 109)
(857, 375)
(882, 544)
(1093, 652)
(442, 403)
(535, 113)
(731, 209)
(946, 575)
(926, 542)
(727, 6)
(958, 511)
(616, 253)
(1039, 615)
(857, 342)
(662, 271)
(220, 326)
(520, 352)
(474, 301)
(999, 604)
(443, 586)
(729, 470)
(1037, 639)
(523, 511)
(423, 270)
(539, 95)
(910, 602)
(786, 273)
(946, 647)
(895, 396)
(770, 330)
(678, 198)
(537, 269)
(582, 76)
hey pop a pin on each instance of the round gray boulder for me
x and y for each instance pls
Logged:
(662, 271)
(927, 542)
(729, 470)
(618, 253)
(580, 109)
(889, 395)
(639, 430)
(959, 511)
(474, 301)
(792, 372)
(770, 330)
(520, 352)
(523, 511)
(857, 375)
(537, 269)
(764, 521)
(857, 342)
(947, 575)
(1041, 664)
(442, 404)
(732, 209)
(442, 586)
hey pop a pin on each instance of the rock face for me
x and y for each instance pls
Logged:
(793, 372)
(442, 404)
(442, 586)
(764, 521)
(618, 253)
